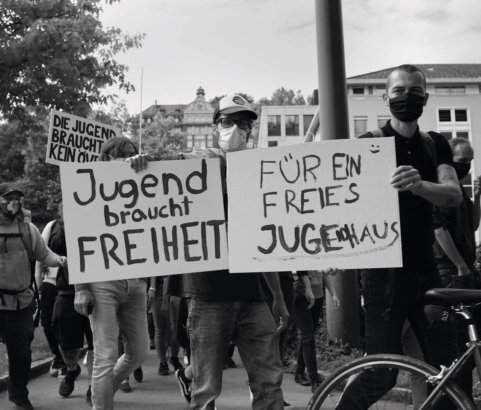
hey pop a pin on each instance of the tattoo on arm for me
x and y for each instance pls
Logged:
(446, 173)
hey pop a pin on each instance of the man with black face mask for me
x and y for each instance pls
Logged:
(455, 246)
(19, 243)
(423, 176)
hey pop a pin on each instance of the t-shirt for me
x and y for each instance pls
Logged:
(416, 213)
(459, 223)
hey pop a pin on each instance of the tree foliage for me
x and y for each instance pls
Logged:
(56, 53)
(283, 96)
(53, 54)
(158, 138)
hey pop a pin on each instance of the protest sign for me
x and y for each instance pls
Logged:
(76, 139)
(165, 220)
(314, 206)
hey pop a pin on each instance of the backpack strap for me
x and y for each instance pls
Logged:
(30, 245)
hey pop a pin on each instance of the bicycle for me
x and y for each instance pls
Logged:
(439, 383)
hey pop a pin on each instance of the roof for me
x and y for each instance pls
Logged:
(432, 71)
(169, 109)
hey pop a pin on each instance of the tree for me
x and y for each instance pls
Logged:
(56, 53)
(282, 96)
(158, 138)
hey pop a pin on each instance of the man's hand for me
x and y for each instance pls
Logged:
(406, 178)
(139, 162)
(280, 313)
(310, 298)
(83, 301)
(477, 186)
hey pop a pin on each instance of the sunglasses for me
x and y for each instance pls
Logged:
(229, 122)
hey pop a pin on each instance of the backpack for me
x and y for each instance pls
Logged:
(426, 140)
(30, 244)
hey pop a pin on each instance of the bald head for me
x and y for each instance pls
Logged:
(408, 69)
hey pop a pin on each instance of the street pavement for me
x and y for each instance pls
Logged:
(154, 392)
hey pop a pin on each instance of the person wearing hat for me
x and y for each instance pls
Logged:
(20, 242)
(226, 307)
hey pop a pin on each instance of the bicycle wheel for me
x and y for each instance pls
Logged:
(405, 394)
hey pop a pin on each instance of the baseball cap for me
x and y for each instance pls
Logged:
(9, 188)
(234, 103)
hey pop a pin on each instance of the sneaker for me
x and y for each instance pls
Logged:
(68, 383)
(184, 384)
(55, 366)
(88, 396)
(125, 386)
(300, 378)
(163, 369)
(138, 374)
(22, 403)
(175, 362)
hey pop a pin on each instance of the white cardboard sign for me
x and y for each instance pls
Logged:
(314, 206)
(76, 139)
(165, 220)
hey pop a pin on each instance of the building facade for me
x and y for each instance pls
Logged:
(192, 121)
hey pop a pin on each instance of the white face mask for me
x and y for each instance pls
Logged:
(232, 139)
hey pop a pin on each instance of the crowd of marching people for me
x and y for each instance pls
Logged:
(207, 315)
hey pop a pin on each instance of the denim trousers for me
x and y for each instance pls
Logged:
(16, 328)
(250, 325)
(119, 306)
(307, 320)
(47, 302)
(385, 314)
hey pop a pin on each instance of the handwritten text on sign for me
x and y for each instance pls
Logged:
(314, 206)
(165, 220)
(76, 139)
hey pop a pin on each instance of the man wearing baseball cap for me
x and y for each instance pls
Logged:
(228, 307)
(20, 242)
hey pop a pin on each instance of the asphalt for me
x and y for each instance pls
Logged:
(154, 392)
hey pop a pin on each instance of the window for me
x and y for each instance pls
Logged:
(454, 122)
(445, 115)
(307, 122)
(381, 120)
(199, 141)
(274, 125)
(272, 143)
(450, 90)
(358, 90)
(461, 115)
(360, 126)
(292, 125)
(189, 141)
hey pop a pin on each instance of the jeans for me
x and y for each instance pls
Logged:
(119, 305)
(307, 320)
(250, 325)
(385, 313)
(16, 327)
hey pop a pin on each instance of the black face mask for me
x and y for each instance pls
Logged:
(407, 107)
(462, 169)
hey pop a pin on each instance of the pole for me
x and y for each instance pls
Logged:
(343, 321)
(140, 115)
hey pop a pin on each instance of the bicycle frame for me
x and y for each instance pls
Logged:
(448, 373)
